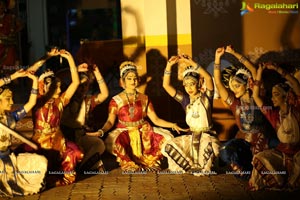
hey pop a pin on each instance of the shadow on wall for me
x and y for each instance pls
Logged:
(286, 59)
(287, 31)
(165, 106)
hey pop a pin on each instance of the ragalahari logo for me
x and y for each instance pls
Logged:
(245, 8)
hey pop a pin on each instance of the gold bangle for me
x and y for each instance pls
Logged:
(101, 132)
(173, 126)
(242, 59)
(217, 66)
(167, 72)
(257, 82)
(34, 91)
(7, 79)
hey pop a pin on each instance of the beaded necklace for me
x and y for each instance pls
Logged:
(247, 113)
(131, 107)
(190, 106)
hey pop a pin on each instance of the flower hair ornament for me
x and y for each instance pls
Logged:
(191, 72)
(242, 75)
(127, 66)
(233, 73)
(45, 80)
(227, 73)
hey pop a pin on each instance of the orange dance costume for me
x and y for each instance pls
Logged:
(48, 135)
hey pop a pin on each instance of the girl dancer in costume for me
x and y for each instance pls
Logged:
(46, 119)
(21, 174)
(197, 151)
(76, 115)
(279, 168)
(136, 144)
(250, 138)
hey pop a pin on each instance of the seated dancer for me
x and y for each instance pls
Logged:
(136, 144)
(195, 152)
(21, 174)
(62, 155)
(237, 94)
(279, 168)
(76, 115)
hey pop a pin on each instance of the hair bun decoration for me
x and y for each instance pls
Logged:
(233, 72)
(127, 66)
(227, 73)
(246, 74)
(190, 70)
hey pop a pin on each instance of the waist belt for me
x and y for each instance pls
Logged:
(46, 130)
(132, 124)
(202, 129)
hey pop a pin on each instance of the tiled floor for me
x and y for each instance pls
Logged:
(115, 185)
(118, 186)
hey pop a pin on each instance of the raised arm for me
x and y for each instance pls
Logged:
(104, 92)
(7, 79)
(242, 60)
(33, 93)
(42, 60)
(217, 74)
(291, 79)
(167, 76)
(256, 89)
(74, 74)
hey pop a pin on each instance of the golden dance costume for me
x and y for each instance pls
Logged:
(48, 135)
(135, 143)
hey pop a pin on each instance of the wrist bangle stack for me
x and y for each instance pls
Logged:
(34, 91)
(6, 79)
(173, 126)
(101, 132)
(217, 66)
(242, 59)
(167, 72)
(257, 82)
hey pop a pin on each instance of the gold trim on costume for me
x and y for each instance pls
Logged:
(132, 124)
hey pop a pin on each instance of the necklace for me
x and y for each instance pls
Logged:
(247, 114)
(131, 107)
(195, 113)
(284, 123)
(45, 123)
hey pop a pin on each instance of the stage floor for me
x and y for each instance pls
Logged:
(116, 185)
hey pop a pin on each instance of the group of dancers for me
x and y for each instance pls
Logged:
(265, 150)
